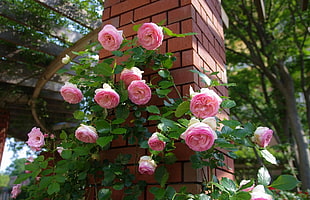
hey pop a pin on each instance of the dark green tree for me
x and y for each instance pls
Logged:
(268, 58)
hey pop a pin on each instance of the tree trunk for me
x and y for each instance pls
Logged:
(297, 130)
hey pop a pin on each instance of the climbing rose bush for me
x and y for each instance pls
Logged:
(119, 106)
(16, 190)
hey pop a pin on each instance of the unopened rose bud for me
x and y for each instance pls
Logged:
(65, 60)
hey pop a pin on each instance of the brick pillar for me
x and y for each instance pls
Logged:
(4, 125)
(204, 51)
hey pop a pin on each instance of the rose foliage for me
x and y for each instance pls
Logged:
(116, 103)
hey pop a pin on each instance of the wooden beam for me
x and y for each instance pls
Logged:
(20, 38)
(72, 12)
(260, 7)
(27, 19)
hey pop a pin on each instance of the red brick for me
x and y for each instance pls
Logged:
(187, 58)
(126, 18)
(119, 142)
(108, 3)
(162, 17)
(175, 172)
(155, 8)
(185, 2)
(183, 75)
(180, 14)
(177, 44)
(206, 57)
(126, 6)
(114, 21)
(182, 152)
(106, 14)
(175, 28)
(136, 153)
(220, 174)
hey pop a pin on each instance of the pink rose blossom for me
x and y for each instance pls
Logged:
(155, 143)
(150, 36)
(244, 182)
(199, 137)
(129, 75)
(16, 190)
(139, 92)
(35, 139)
(71, 93)
(262, 136)
(205, 104)
(87, 134)
(147, 165)
(110, 38)
(106, 97)
(258, 193)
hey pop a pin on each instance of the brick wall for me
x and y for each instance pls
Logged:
(204, 51)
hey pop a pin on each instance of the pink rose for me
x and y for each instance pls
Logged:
(244, 182)
(199, 136)
(155, 143)
(106, 97)
(258, 193)
(129, 75)
(71, 93)
(35, 139)
(150, 36)
(16, 190)
(86, 134)
(205, 104)
(147, 165)
(139, 92)
(262, 136)
(110, 38)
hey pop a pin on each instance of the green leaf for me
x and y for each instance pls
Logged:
(164, 73)
(118, 121)
(22, 177)
(66, 154)
(154, 117)
(269, 157)
(103, 69)
(163, 92)
(78, 114)
(228, 103)
(159, 193)
(63, 135)
(241, 196)
(103, 126)
(153, 109)
(136, 27)
(103, 141)
(231, 123)
(170, 33)
(182, 109)
(161, 175)
(119, 131)
(53, 188)
(203, 76)
(263, 176)
(285, 182)
(118, 53)
(229, 185)
(104, 194)
(118, 186)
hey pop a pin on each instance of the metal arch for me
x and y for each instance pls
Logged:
(54, 67)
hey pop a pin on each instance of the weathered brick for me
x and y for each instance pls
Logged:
(126, 18)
